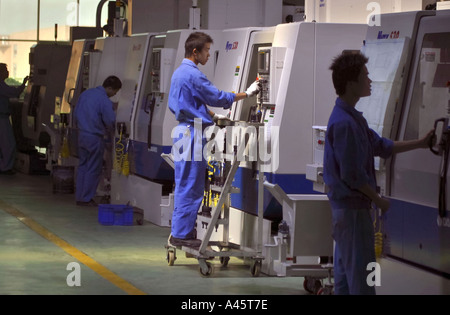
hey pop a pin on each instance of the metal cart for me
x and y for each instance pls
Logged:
(304, 232)
(220, 215)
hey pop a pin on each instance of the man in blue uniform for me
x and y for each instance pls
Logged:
(189, 94)
(7, 140)
(94, 116)
(349, 173)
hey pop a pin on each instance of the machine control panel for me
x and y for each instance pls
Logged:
(163, 60)
(314, 171)
(270, 67)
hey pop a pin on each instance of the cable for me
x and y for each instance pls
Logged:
(378, 233)
(443, 176)
(125, 161)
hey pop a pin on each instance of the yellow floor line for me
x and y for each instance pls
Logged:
(73, 251)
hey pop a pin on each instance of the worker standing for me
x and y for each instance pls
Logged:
(7, 140)
(95, 118)
(349, 173)
(190, 92)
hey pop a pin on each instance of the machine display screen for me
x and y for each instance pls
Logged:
(264, 61)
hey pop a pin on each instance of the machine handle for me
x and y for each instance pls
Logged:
(149, 106)
(70, 95)
(442, 140)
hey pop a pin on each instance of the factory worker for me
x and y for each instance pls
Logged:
(95, 118)
(189, 94)
(349, 173)
(7, 140)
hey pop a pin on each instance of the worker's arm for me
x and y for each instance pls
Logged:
(380, 202)
(240, 96)
(404, 146)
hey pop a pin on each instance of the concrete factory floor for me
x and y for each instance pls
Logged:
(42, 233)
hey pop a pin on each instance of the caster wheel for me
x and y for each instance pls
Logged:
(140, 221)
(255, 269)
(205, 269)
(312, 285)
(326, 290)
(224, 261)
(171, 257)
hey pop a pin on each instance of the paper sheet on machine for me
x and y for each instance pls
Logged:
(386, 60)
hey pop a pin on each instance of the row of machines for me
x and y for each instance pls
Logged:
(36, 120)
(292, 86)
(291, 60)
(409, 58)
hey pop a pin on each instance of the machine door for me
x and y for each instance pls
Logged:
(416, 232)
(388, 65)
(145, 96)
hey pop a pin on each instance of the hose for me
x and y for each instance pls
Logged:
(121, 162)
(378, 233)
(125, 161)
(208, 192)
(443, 178)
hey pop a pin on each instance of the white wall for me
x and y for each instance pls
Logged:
(223, 14)
(164, 15)
(158, 15)
(357, 11)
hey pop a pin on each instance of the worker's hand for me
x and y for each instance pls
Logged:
(217, 117)
(25, 80)
(382, 203)
(253, 89)
(429, 140)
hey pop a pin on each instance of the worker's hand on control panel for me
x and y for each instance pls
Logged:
(253, 89)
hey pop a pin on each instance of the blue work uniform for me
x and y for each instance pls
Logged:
(190, 91)
(350, 148)
(7, 140)
(94, 115)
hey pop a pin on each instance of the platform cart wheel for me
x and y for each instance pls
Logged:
(326, 290)
(312, 285)
(171, 257)
(205, 268)
(224, 261)
(255, 268)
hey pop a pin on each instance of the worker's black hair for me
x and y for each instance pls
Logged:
(113, 82)
(196, 40)
(346, 68)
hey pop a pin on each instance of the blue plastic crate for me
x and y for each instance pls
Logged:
(115, 214)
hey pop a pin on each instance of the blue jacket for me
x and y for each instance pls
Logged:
(94, 112)
(7, 92)
(350, 148)
(191, 91)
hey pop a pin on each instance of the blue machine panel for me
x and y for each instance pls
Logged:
(247, 199)
(417, 234)
(149, 163)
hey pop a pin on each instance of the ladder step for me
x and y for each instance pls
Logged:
(233, 190)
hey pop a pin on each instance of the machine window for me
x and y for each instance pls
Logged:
(430, 99)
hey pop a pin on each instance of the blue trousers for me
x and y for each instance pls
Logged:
(90, 153)
(353, 233)
(190, 171)
(7, 144)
